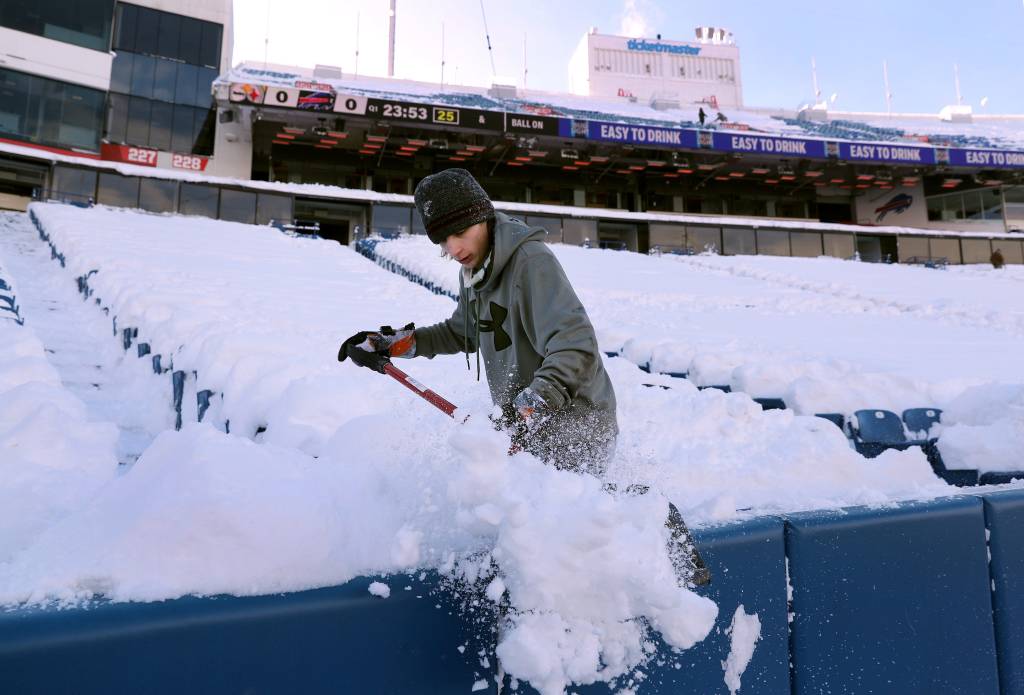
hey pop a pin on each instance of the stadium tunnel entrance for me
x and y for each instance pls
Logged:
(20, 181)
(337, 221)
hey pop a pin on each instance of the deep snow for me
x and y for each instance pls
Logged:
(331, 471)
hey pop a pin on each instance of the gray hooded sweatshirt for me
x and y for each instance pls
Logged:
(526, 321)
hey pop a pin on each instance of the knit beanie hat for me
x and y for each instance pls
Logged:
(449, 201)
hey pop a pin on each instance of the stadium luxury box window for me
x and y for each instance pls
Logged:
(84, 23)
(161, 79)
(49, 112)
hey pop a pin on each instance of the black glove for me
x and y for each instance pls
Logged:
(373, 349)
(363, 350)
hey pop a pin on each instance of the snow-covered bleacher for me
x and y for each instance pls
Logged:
(334, 476)
(820, 336)
(52, 457)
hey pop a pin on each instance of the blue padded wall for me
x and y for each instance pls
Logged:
(892, 600)
(336, 640)
(1004, 515)
(748, 566)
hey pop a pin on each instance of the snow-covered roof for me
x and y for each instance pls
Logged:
(987, 131)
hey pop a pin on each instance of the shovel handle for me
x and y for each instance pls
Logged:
(419, 389)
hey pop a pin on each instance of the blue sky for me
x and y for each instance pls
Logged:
(849, 40)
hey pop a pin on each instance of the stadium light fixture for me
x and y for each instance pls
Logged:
(475, 148)
(837, 179)
(760, 171)
(788, 177)
(599, 159)
(465, 153)
(294, 131)
(376, 138)
(539, 154)
(813, 173)
(337, 134)
(581, 163)
(570, 167)
(865, 177)
(737, 174)
(285, 136)
(951, 183)
(570, 154)
(513, 163)
(656, 163)
(456, 158)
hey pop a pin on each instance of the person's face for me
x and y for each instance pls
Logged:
(470, 246)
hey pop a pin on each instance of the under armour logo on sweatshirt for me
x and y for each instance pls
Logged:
(496, 325)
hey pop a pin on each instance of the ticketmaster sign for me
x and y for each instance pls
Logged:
(645, 45)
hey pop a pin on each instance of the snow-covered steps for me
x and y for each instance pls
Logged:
(53, 456)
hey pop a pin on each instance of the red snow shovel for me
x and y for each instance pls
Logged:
(382, 363)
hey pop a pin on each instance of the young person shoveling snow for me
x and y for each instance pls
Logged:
(517, 309)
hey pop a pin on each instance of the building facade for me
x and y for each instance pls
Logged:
(113, 80)
(706, 71)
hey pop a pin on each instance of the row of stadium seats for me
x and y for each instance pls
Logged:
(852, 130)
(129, 336)
(872, 432)
(9, 308)
(367, 247)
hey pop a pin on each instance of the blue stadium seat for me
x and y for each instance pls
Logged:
(874, 431)
(837, 419)
(879, 427)
(1000, 478)
(921, 419)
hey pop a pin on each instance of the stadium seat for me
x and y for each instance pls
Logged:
(725, 388)
(771, 403)
(1000, 478)
(837, 419)
(880, 427)
(921, 419)
(874, 431)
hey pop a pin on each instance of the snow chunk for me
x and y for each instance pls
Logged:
(745, 631)
(379, 589)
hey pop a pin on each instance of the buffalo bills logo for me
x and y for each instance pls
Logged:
(897, 204)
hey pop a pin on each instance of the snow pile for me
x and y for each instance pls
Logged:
(825, 335)
(585, 572)
(718, 454)
(52, 458)
(744, 631)
(350, 474)
(983, 429)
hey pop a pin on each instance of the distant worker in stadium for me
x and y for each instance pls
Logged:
(517, 309)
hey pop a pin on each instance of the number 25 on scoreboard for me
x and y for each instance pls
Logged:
(446, 116)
